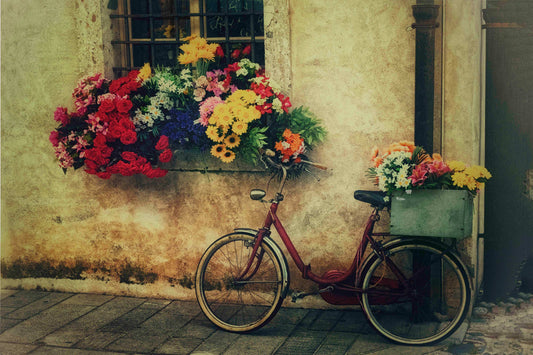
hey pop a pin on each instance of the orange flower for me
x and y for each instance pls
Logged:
(437, 157)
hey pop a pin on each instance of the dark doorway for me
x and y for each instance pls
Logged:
(509, 147)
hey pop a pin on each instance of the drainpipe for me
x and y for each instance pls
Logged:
(425, 14)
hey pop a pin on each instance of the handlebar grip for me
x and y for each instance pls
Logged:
(316, 165)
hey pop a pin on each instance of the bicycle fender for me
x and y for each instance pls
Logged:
(427, 241)
(432, 242)
(277, 251)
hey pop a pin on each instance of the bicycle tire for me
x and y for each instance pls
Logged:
(439, 300)
(233, 305)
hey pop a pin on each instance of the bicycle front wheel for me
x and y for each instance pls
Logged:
(230, 300)
(419, 294)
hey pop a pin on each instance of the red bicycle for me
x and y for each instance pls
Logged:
(413, 291)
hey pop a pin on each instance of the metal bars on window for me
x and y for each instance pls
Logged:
(152, 30)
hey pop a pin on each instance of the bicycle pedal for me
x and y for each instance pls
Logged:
(297, 295)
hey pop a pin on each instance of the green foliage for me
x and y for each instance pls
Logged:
(252, 142)
(301, 120)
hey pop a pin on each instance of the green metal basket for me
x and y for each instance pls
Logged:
(432, 213)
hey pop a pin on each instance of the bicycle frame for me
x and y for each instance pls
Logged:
(344, 281)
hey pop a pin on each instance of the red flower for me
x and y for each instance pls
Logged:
(127, 124)
(107, 106)
(235, 54)
(132, 75)
(231, 68)
(162, 144)
(103, 175)
(285, 102)
(265, 108)
(123, 105)
(61, 115)
(54, 138)
(155, 173)
(219, 52)
(128, 137)
(165, 156)
(129, 156)
(263, 90)
(247, 50)
(114, 132)
(99, 141)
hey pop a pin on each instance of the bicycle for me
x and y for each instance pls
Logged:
(412, 290)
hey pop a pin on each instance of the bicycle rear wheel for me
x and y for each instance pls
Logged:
(431, 304)
(231, 301)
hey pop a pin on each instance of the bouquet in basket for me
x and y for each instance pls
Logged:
(404, 166)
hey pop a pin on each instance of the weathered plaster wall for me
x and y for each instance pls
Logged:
(352, 64)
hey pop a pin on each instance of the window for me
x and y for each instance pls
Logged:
(152, 30)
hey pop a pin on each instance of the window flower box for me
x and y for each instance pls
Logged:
(432, 213)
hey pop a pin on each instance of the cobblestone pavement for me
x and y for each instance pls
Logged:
(38, 322)
(505, 328)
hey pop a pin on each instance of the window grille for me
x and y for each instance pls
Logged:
(152, 30)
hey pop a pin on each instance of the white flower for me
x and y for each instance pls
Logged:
(242, 72)
(276, 105)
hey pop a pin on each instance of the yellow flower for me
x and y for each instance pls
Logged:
(191, 37)
(455, 165)
(232, 141)
(239, 127)
(145, 72)
(218, 150)
(187, 58)
(228, 156)
(213, 133)
(477, 172)
(459, 179)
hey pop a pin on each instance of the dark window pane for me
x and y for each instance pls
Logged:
(238, 5)
(183, 6)
(215, 26)
(164, 28)
(141, 54)
(139, 7)
(259, 28)
(184, 26)
(165, 55)
(239, 26)
(215, 5)
(140, 28)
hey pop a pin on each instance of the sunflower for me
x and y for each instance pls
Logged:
(228, 156)
(218, 150)
(232, 141)
(213, 133)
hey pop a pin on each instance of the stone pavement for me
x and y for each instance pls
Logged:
(38, 322)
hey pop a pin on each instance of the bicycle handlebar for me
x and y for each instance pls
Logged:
(269, 154)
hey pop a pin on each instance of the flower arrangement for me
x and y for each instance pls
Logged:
(404, 166)
(134, 124)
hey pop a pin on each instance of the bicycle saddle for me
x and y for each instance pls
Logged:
(375, 198)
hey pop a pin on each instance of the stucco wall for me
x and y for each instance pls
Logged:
(352, 64)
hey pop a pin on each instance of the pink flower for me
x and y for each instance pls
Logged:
(438, 167)
(207, 107)
(54, 138)
(419, 175)
(61, 115)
